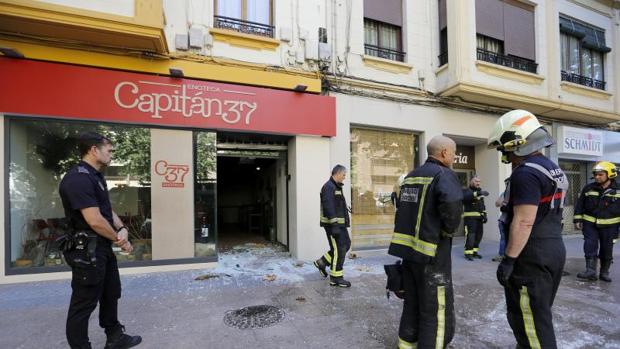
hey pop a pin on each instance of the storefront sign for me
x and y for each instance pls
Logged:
(579, 141)
(173, 175)
(68, 91)
(465, 158)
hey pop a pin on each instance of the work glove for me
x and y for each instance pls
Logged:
(483, 193)
(504, 270)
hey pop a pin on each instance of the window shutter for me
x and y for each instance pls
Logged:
(386, 11)
(592, 37)
(490, 18)
(519, 30)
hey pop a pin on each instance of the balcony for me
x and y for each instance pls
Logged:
(242, 26)
(583, 80)
(386, 53)
(443, 58)
(507, 61)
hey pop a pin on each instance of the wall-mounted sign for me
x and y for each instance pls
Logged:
(465, 157)
(173, 175)
(579, 141)
(69, 91)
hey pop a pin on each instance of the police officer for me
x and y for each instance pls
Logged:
(431, 205)
(474, 216)
(534, 258)
(335, 221)
(597, 214)
(95, 227)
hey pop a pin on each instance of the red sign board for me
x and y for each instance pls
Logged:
(69, 91)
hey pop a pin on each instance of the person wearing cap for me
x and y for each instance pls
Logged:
(531, 269)
(597, 215)
(88, 247)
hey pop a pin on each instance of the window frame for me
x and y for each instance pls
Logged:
(244, 11)
(399, 39)
(565, 54)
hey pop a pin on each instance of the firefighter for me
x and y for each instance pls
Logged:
(474, 216)
(597, 215)
(429, 213)
(335, 221)
(535, 254)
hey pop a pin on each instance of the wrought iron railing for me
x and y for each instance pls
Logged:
(242, 26)
(383, 52)
(583, 80)
(443, 58)
(507, 61)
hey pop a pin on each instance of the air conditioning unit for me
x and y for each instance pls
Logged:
(325, 51)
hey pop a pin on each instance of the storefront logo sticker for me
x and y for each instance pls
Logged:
(174, 175)
(189, 100)
(580, 141)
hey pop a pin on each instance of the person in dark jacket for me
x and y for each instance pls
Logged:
(531, 269)
(474, 216)
(429, 213)
(335, 221)
(597, 214)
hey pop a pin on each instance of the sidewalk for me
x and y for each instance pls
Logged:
(172, 310)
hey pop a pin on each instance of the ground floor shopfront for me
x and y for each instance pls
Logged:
(198, 166)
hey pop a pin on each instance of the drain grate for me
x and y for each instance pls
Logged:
(257, 316)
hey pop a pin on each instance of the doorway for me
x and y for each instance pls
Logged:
(251, 190)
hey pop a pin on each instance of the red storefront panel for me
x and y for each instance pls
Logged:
(68, 91)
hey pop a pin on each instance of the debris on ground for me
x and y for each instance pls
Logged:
(299, 264)
(363, 269)
(210, 276)
(353, 255)
(300, 299)
(270, 277)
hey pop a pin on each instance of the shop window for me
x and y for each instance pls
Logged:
(246, 16)
(205, 223)
(583, 52)
(378, 158)
(40, 153)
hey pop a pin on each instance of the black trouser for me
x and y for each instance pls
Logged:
(91, 285)
(531, 291)
(593, 236)
(339, 244)
(473, 235)
(428, 311)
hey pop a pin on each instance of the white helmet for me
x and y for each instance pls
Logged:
(520, 132)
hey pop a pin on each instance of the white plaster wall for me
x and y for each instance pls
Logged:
(309, 167)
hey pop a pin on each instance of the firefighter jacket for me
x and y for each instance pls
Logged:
(473, 204)
(334, 212)
(599, 206)
(431, 204)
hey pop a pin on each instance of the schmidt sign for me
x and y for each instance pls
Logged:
(580, 141)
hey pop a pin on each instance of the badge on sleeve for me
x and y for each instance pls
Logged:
(101, 185)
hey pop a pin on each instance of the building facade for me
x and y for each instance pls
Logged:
(228, 115)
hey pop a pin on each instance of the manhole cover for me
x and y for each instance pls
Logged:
(257, 316)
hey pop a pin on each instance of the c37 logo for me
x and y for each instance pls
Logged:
(174, 175)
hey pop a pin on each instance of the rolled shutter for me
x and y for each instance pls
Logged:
(490, 18)
(386, 11)
(519, 30)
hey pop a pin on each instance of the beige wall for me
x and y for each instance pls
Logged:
(172, 208)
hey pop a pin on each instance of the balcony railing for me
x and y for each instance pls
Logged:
(386, 53)
(242, 26)
(583, 80)
(507, 61)
(443, 58)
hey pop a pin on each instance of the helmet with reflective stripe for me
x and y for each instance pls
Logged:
(607, 167)
(520, 132)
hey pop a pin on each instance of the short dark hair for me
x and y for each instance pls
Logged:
(338, 169)
(87, 140)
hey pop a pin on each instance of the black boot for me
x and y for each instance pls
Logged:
(590, 272)
(117, 339)
(477, 255)
(469, 257)
(321, 265)
(604, 275)
(339, 281)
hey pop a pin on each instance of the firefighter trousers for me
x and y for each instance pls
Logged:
(339, 244)
(531, 290)
(428, 312)
(473, 235)
(594, 237)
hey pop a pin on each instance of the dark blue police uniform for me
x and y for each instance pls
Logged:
(92, 283)
(537, 272)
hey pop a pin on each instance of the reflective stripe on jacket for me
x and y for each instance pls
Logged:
(431, 205)
(599, 206)
(473, 203)
(334, 212)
